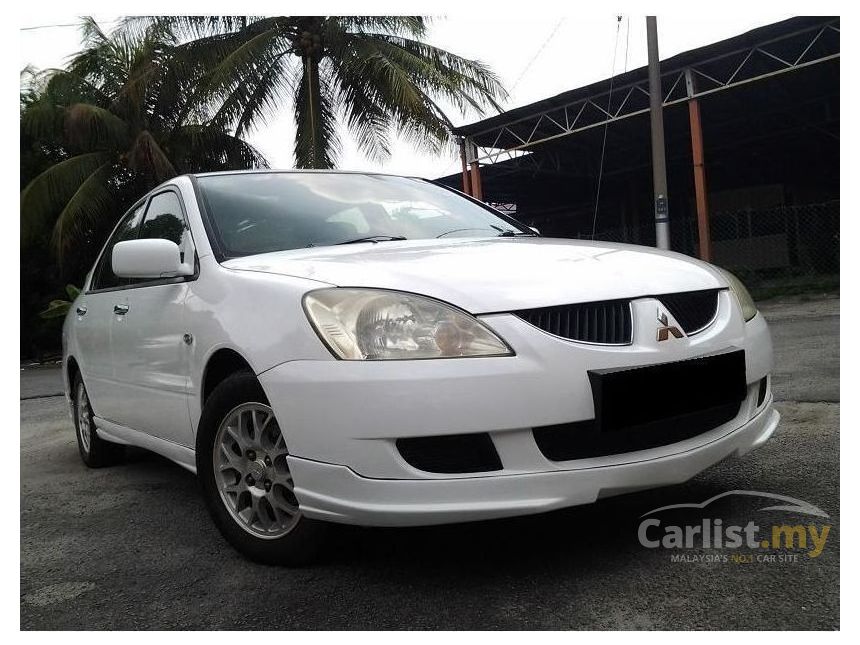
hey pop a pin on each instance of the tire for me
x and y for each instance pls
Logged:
(95, 451)
(243, 471)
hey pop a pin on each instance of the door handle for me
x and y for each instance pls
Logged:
(120, 310)
(81, 310)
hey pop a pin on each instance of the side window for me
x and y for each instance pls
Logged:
(103, 276)
(164, 220)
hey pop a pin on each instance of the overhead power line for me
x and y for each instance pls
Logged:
(34, 27)
(536, 54)
(606, 124)
(64, 24)
(627, 44)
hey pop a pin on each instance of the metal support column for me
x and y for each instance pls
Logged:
(477, 191)
(467, 185)
(658, 145)
(701, 185)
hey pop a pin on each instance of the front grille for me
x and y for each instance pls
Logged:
(459, 453)
(610, 322)
(694, 310)
(605, 323)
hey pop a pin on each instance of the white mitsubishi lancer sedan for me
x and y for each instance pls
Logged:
(367, 349)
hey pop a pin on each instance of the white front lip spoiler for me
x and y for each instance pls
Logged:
(337, 494)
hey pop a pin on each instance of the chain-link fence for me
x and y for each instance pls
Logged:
(791, 246)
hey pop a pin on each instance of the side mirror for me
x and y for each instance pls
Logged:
(150, 258)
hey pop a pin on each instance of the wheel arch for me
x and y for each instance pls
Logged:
(71, 369)
(221, 364)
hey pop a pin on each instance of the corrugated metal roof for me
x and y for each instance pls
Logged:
(684, 59)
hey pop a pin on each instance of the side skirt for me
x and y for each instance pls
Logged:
(116, 433)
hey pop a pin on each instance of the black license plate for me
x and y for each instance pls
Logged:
(638, 396)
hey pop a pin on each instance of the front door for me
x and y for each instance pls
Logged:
(151, 357)
(94, 324)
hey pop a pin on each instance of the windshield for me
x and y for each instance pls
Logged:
(263, 212)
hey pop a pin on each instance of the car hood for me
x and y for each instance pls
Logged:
(496, 274)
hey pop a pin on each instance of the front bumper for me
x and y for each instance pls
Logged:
(337, 494)
(341, 420)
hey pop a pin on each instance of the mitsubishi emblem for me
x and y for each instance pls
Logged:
(665, 328)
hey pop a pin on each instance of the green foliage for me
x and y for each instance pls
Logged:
(122, 117)
(59, 308)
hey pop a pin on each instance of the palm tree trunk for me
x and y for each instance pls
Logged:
(310, 140)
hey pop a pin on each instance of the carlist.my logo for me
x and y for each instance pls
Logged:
(738, 543)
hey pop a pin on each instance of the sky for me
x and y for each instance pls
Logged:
(536, 56)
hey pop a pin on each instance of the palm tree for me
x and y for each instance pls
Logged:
(118, 120)
(372, 72)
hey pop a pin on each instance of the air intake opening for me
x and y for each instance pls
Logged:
(459, 453)
(583, 440)
(762, 392)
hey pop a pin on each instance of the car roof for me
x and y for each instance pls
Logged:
(269, 171)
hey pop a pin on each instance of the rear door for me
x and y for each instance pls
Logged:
(150, 349)
(93, 323)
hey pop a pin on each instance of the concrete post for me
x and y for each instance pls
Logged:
(658, 144)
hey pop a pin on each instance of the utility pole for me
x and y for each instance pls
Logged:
(658, 144)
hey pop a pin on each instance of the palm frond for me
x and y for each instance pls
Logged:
(200, 148)
(148, 158)
(46, 195)
(412, 26)
(43, 122)
(242, 60)
(62, 86)
(466, 83)
(91, 202)
(32, 86)
(363, 110)
(105, 61)
(88, 126)
(406, 79)
(246, 104)
(187, 27)
(390, 86)
(92, 35)
(267, 95)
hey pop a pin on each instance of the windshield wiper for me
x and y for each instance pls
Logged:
(375, 238)
(502, 232)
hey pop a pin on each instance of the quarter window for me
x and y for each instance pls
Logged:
(164, 220)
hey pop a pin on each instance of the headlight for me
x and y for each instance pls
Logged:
(374, 324)
(744, 298)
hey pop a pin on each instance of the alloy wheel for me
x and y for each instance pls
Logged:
(83, 412)
(252, 474)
